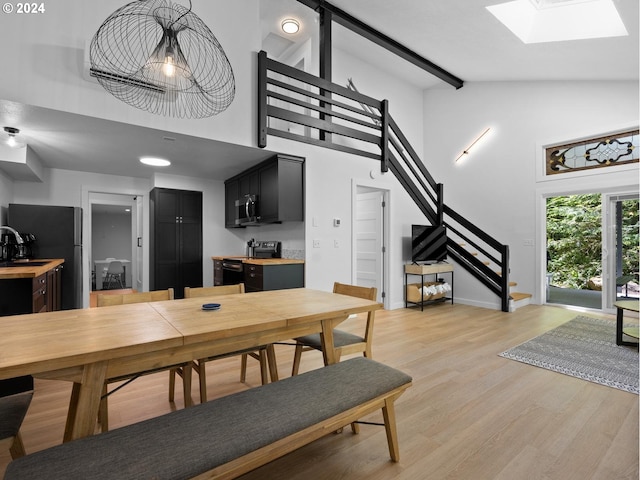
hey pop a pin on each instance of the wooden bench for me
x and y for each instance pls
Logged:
(232, 435)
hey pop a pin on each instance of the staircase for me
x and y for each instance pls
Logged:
(341, 118)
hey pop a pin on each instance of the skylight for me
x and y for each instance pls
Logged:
(539, 21)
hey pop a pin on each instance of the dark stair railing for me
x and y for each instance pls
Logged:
(298, 106)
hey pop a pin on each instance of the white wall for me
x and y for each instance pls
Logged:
(498, 184)
(111, 235)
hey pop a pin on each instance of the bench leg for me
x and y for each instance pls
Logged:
(389, 414)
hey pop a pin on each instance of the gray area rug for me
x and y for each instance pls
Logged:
(584, 348)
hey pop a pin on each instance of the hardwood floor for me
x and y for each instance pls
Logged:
(470, 414)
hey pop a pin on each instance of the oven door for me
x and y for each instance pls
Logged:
(232, 272)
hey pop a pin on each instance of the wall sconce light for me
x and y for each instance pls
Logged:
(466, 150)
(290, 26)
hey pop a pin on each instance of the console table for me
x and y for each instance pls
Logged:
(621, 306)
(421, 271)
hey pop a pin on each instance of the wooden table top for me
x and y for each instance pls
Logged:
(42, 342)
(247, 313)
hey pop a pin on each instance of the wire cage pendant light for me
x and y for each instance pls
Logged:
(160, 57)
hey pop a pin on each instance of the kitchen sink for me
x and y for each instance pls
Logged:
(22, 263)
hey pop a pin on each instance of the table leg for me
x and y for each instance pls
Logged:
(619, 322)
(85, 402)
(328, 347)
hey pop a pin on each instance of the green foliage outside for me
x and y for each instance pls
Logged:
(574, 239)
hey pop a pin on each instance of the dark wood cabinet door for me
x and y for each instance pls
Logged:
(249, 185)
(231, 194)
(176, 251)
(269, 197)
(53, 294)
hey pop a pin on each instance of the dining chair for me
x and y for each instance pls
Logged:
(105, 300)
(265, 354)
(345, 343)
(15, 398)
(115, 271)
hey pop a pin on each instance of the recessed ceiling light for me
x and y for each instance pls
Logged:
(155, 162)
(11, 137)
(539, 21)
(290, 26)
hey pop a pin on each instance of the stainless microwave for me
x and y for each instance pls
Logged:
(247, 210)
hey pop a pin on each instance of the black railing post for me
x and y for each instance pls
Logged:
(262, 99)
(326, 68)
(440, 205)
(505, 278)
(384, 139)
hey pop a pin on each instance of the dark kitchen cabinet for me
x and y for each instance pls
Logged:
(39, 294)
(54, 289)
(176, 239)
(217, 273)
(31, 295)
(258, 278)
(281, 193)
(279, 185)
(231, 194)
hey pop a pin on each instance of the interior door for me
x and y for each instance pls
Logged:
(138, 257)
(369, 239)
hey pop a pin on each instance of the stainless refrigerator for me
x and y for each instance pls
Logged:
(58, 232)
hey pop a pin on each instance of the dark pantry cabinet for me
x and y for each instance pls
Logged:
(176, 239)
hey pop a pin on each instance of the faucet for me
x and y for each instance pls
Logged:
(14, 231)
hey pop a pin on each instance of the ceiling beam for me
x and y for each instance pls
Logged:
(348, 21)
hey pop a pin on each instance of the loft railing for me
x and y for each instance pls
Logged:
(298, 106)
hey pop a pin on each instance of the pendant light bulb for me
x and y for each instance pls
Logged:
(169, 66)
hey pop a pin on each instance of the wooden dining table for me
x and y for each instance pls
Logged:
(87, 346)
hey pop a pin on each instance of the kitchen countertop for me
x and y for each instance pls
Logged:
(262, 261)
(29, 271)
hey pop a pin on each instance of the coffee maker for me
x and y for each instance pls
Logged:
(10, 249)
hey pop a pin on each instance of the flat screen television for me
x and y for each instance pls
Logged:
(428, 243)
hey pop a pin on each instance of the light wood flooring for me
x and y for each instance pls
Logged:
(470, 414)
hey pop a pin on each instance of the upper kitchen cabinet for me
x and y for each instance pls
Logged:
(275, 188)
(176, 239)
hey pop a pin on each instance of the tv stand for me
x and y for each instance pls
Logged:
(422, 270)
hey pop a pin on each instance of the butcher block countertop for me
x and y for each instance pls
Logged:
(28, 268)
(262, 261)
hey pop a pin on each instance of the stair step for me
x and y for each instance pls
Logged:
(515, 296)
